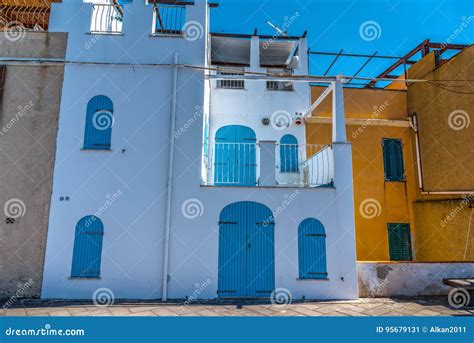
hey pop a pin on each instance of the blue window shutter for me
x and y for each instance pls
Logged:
(393, 159)
(87, 248)
(312, 250)
(289, 154)
(99, 122)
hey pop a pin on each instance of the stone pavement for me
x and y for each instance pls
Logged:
(363, 307)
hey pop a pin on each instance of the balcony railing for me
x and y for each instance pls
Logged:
(242, 164)
(106, 19)
(169, 19)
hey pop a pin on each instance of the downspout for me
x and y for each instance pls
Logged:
(420, 171)
(169, 187)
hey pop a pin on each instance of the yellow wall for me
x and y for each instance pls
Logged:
(442, 226)
(445, 224)
(392, 198)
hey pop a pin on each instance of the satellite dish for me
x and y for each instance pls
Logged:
(277, 29)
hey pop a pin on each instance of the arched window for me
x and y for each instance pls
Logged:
(312, 250)
(289, 154)
(87, 248)
(99, 122)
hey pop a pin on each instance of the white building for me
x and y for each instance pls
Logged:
(174, 179)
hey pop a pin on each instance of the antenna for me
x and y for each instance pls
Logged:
(280, 31)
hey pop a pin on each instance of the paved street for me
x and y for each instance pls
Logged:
(362, 307)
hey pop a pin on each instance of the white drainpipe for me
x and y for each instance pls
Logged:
(169, 189)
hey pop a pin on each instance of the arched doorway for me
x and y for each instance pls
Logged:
(235, 156)
(246, 251)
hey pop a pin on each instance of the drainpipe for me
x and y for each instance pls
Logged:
(169, 187)
(419, 168)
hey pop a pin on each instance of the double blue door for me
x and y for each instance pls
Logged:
(235, 156)
(246, 251)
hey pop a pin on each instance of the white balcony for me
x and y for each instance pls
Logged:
(267, 164)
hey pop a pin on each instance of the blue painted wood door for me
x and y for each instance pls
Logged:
(235, 156)
(246, 251)
(87, 248)
(312, 250)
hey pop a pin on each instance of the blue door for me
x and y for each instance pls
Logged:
(246, 251)
(312, 250)
(87, 248)
(289, 162)
(235, 156)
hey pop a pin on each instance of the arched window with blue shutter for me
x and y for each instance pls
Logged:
(87, 248)
(99, 122)
(312, 250)
(289, 154)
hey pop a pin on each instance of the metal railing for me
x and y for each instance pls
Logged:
(232, 164)
(280, 86)
(25, 14)
(169, 19)
(238, 164)
(305, 165)
(106, 19)
(230, 84)
(318, 170)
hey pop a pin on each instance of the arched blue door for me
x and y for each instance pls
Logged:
(235, 156)
(246, 251)
(312, 250)
(87, 248)
(289, 154)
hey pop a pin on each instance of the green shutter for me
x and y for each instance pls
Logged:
(393, 159)
(399, 240)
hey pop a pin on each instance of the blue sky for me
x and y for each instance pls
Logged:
(335, 24)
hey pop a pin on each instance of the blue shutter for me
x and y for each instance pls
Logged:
(87, 248)
(99, 122)
(289, 154)
(312, 250)
(261, 250)
(393, 159)
(235, 156)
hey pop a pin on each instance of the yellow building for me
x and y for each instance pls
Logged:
(395, 218)
(372, 116)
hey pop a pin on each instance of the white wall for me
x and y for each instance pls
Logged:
(132, 258)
